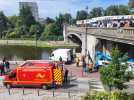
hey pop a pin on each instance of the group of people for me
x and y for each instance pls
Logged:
(4, 66)
(65, 71)
(115, 24)
(86, 67)
(60, 65)
(112, 24)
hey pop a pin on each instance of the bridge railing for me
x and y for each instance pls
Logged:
(121, 33)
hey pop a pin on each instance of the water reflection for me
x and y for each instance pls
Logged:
(23, 52)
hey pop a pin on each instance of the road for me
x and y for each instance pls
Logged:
(73, 91)
(78, 87)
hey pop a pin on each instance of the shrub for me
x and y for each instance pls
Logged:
(114, 95)
(12, 35)
(114, 75)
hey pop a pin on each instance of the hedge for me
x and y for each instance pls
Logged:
(114, 95)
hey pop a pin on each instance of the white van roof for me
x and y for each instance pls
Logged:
(61, 51)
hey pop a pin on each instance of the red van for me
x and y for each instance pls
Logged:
(34, 73)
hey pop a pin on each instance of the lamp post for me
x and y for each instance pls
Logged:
(86, 33)
(36, 37)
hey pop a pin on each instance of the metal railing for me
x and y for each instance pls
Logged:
(119, 33)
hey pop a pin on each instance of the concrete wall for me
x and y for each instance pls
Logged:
(91, 46)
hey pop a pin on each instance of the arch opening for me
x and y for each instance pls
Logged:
(75, 39)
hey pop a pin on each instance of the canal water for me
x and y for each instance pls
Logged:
(24, 52)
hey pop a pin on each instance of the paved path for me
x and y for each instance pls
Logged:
(78, 87)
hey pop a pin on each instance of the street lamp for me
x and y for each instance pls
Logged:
(36, 37)
(86, 33)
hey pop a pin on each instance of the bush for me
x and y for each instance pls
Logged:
(115, 95)
(114, 75)
(12, 35)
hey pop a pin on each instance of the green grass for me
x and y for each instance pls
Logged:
(42, 44)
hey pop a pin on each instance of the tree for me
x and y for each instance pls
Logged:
(26, 16)
(96, 12)
(67, 18)
(59, 23)
(36, 30)
(73, 21)
(3, 24)
(22, 31)
(51, 29)
(123, 10)
(131, 4)
(81, 15)
(112, 10)
(49, 20)
(114, 75)
(13, 20)
(117, 10)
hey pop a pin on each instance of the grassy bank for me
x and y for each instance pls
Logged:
(42, 44)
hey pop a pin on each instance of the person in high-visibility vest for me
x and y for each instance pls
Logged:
(77, 62)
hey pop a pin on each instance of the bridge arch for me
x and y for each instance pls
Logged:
(75, 38)
(75, 34)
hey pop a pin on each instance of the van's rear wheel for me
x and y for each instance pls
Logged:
(44, 87)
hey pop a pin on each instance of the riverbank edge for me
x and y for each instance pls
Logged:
(41, 44)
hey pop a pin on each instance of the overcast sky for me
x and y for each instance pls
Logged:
(51, 8)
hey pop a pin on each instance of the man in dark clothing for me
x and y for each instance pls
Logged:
(2, 70)
(4, 60)
(7, 65)
(66, 76)
(60, 59)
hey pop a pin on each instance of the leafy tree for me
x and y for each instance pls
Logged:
(123, 10)
(13, 20)
(131, 4)
(67, 18)
(117, 10)
(81, 15)
(22, 31)
(36, 30)
(12, 35)
(26, 16)
(3, 24)
(96, 12)
(114, 75)
(51, 29)
(112, 10)
(49, 20)
(59, 23)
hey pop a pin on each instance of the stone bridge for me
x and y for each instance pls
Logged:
(89, 37)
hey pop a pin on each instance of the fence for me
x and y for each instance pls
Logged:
(55, 93)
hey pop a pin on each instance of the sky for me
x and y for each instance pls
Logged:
(52, 8)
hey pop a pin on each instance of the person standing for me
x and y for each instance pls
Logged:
(60, 59)
(66, 76)
(2, 69)
(7, 65)
(77, 62)
(83, 66)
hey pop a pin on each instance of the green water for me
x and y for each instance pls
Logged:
(23, 52)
